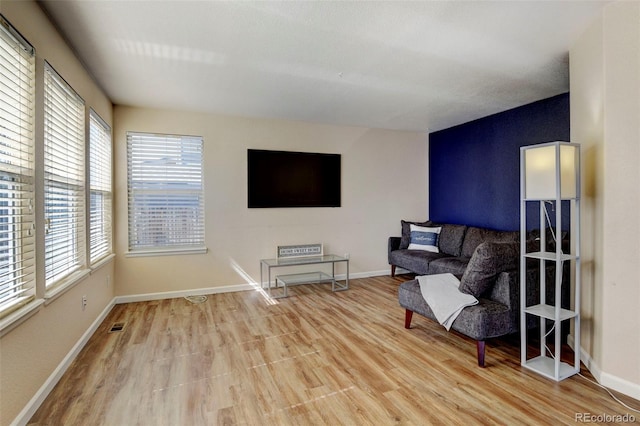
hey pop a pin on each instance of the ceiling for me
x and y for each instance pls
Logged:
(420, 66)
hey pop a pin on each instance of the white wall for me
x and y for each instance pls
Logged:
(587, 128)
(384, 179)
(605, 119)
(30, 352)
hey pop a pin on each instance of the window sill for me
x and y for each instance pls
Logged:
(66, 284)
(104, 261)
(166, 252)
(19, 316)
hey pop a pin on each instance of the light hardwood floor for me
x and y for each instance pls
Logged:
(315, 358)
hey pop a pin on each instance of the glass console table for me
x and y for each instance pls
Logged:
(306, 277)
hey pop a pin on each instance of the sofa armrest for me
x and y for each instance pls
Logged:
(507, 291)
(393, 244)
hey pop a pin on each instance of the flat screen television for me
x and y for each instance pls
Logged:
(293, 179)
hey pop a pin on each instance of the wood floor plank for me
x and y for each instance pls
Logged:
(315, 358)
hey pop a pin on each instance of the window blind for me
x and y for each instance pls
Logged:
(17, 233)
(166, 198)
(100, 203)
(63, 179)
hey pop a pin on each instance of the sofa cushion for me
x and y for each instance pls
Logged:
(424, 238)
(452, 265)
(416, 261)
(488, 260)
(451, 238)
(405, 237)
(474, 236)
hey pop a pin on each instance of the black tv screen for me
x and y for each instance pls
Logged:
(293, 179)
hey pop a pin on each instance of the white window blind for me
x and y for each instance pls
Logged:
(17, 233)
(100, 237)
(63, 179)
(166, 197)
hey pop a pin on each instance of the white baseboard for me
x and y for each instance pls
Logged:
(225, 289)
(586, 359)
(605, 379)
(621, 385)
(400, 271)
(183, 293)
(366, 274)
(32, 406)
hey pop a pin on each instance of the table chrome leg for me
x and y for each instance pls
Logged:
(333, 276)
(347, 280)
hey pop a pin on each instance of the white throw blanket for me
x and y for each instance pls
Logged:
(443, 297)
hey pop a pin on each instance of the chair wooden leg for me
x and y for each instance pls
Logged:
(393, 271)
(480, 347)
(407, 318)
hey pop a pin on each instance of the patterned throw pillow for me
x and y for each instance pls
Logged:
(405, 239)
(424, 238)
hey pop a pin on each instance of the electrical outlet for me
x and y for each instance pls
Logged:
(346, 255)
(84, 302)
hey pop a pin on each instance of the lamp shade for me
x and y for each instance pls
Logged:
(551, 171)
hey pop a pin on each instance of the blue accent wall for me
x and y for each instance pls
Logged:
(474, 168)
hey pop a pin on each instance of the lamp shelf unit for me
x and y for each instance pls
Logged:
(550, 176)
(549, 312)
(549, 255)
(546, 366)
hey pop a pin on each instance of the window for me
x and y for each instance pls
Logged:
(166, 199)
(17, 230)
(63, 179)
(100, 239)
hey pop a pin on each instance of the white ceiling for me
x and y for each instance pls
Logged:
(419, 66)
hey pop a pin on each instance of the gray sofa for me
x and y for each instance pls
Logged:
(485, 260)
